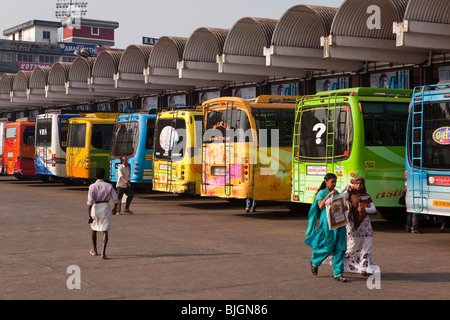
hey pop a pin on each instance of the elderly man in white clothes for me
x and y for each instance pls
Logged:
(99, 211)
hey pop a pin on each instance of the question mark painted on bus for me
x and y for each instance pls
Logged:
(320, 128)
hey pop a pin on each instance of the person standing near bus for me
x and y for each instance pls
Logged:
(358, 258)
(123, 184)
(326, 242)
(99, 211)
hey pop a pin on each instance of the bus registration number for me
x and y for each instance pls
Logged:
(440, 203)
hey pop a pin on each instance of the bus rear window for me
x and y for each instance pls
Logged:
(102, 135)
(28, 136)
(435, 138)
(385, 123)
(44, 132)
(280, 120)
(313, 143)
(229, 119)
(77, 135)
(169, 141)
(11, 133)
(125, 139)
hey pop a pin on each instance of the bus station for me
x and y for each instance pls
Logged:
(359, 90)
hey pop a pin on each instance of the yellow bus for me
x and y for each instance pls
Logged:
(177, 151)
(89, 144)
(247, 147)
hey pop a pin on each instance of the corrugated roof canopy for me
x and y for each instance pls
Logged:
(306, 37)
(362, 30)
(243, 51)
(22, 81)
(81, 69)
(135, 59)
(205, 44)
(200, 57)
(39, 77)
(296, 40)
(426, 25)
(59, 73)
(303, 25)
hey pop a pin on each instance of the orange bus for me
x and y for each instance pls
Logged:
(19, 148)
(3, 122)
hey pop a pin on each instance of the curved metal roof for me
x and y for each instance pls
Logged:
(205, 44)
(39, 77)
(59, 73)
(303, 25)
(249, 36)
(22, 81)
(135, 59)
(351, 18)
(6, 83)
(81, 69)
(166, 52)
(436, 11)
(107, 64)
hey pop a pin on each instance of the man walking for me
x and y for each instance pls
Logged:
(99, 211)
(123, 185)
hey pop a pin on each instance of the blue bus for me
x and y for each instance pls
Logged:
(50, 146)
(427, 169)
(133, 138)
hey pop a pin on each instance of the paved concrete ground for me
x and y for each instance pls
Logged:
(190, 248)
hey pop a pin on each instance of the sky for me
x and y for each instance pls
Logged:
(154, 19)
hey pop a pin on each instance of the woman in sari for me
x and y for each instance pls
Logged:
(358, 258)
(326, 242)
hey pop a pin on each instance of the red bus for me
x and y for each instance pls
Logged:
(19, 148)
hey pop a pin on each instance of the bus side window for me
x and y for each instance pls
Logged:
(149, 138)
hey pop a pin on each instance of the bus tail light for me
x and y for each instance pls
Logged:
(53, 160)
(87, 162)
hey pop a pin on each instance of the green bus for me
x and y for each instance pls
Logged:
(351, 132)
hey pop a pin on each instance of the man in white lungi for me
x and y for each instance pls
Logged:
(99, 211)
(123, 184)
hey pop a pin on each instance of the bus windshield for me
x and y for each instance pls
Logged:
(126, 139)
(435, 153)
(385, 123)
(281, 120)
(102, 135)
(43, 132)
(228, 119)
(167, 137)
(311, 144)
(77, 137)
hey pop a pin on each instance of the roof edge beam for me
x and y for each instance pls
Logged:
(411, 34)
(365, 49)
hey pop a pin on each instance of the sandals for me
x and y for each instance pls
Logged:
(340, 278)
(93, 252)
(314, 270)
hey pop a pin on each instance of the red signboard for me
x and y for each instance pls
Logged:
(29, 66)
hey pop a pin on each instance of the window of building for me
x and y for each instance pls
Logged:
(95, 31)
(46, 35)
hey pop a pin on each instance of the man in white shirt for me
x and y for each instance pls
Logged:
(123, 185)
